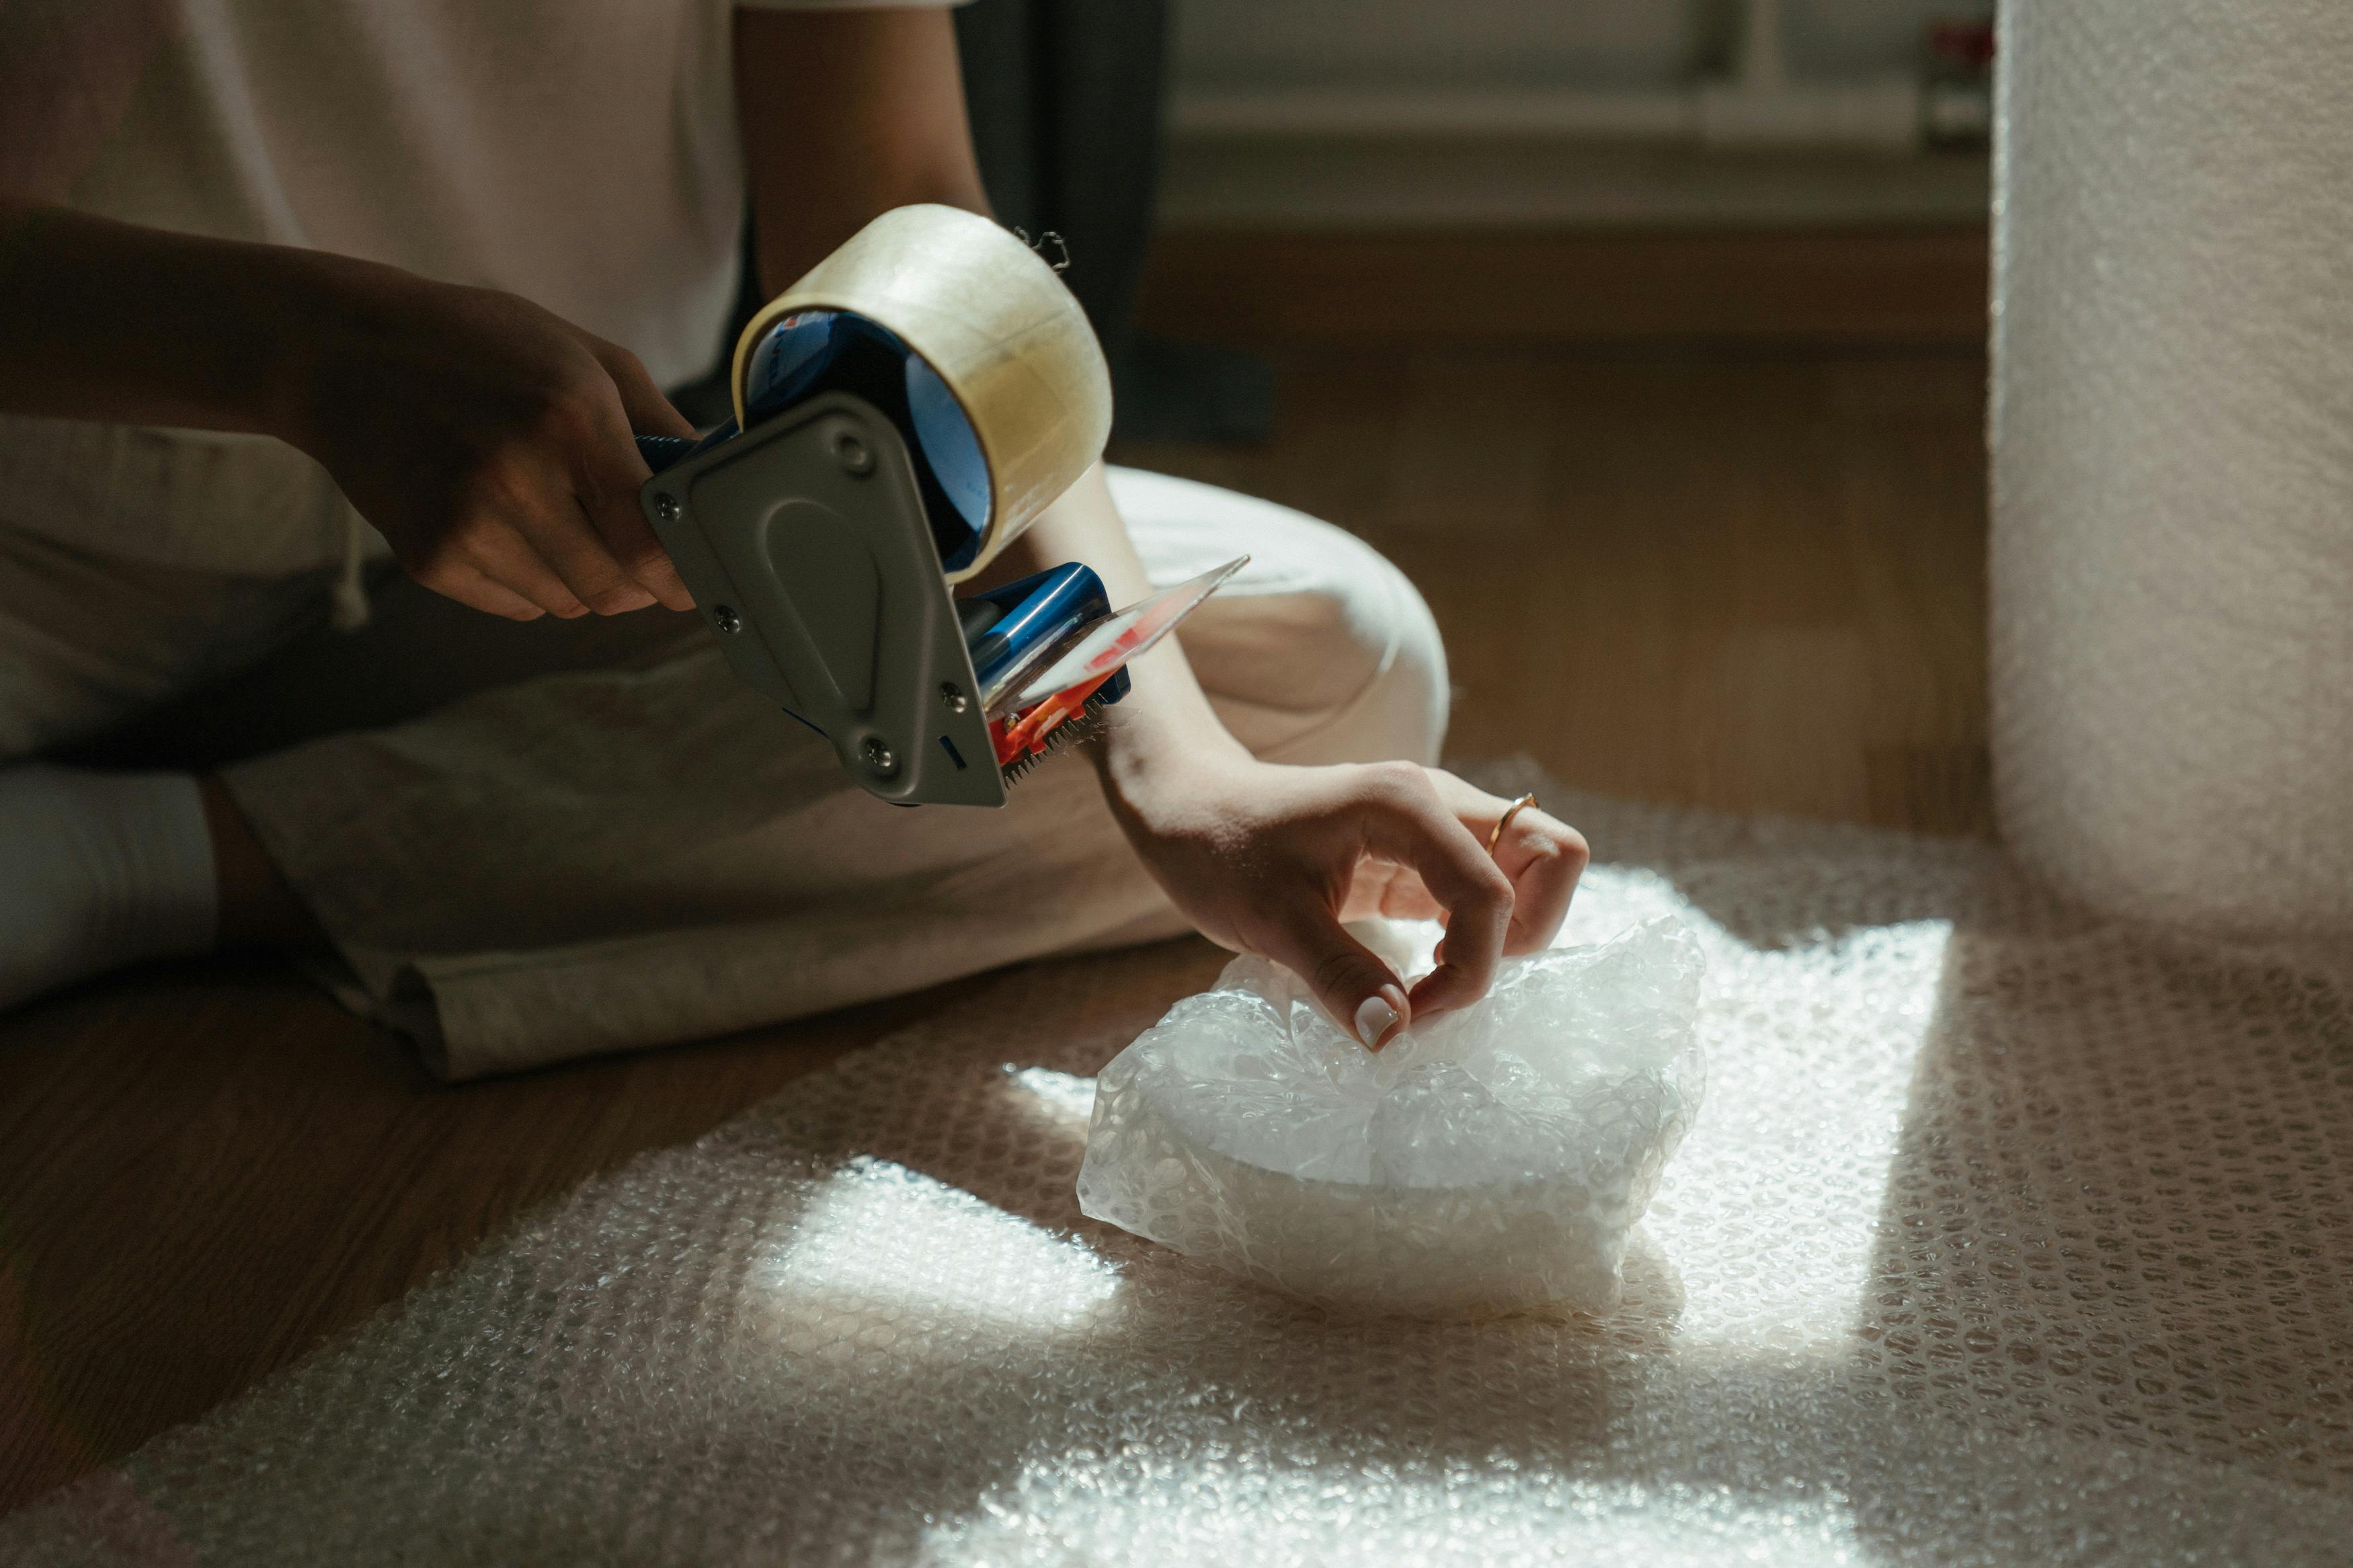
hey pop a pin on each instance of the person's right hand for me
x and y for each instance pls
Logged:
(490, 440)
(1272, 859)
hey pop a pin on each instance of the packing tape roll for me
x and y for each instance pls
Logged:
(2172, 442)
(996, 338)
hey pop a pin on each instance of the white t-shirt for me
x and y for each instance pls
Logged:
(582, 153)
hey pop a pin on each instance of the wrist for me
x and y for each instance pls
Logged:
(1160, 748)
(315, 348)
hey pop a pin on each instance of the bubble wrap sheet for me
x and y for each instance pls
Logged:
(2004, 1235)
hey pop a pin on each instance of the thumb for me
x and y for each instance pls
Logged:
(650, 414)
(609, 473)
(1355, 986)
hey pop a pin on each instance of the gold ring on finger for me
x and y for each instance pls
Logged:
(1504, 821)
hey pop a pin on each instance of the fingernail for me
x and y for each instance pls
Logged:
(1374, 1019)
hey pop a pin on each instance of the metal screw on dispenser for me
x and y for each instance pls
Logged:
(880, 757)
(666, 506)
(726, 619)
(854, 455)
(955, 701)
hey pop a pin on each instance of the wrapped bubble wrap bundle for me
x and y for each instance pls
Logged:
(1488, 1160)
(2008, 1235)
(2172, 440)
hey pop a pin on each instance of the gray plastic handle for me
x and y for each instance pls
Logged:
(803, 543)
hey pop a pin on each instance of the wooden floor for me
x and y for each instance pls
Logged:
(1731, 553)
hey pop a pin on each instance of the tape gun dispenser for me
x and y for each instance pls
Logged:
(902, 413)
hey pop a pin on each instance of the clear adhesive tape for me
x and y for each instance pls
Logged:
(1002, 380)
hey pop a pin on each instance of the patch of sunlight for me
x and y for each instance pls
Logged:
(1070, 1095)
(1237, 1507)
(875, 1236)
(1770, 1212)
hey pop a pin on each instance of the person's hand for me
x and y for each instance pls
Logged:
(1270, 859)
(490, 442)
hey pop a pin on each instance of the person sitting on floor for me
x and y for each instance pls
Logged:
(293, 290)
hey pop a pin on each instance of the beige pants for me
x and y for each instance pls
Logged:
(536, 842)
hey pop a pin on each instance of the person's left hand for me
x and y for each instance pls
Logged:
(1270, 859)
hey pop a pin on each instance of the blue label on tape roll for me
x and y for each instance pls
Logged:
(812, 351)
(948, 442)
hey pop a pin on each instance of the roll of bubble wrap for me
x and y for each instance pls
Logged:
(1488, 1160)
(2172, 441)
(2007, 1236)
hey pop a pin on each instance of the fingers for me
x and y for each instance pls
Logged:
(612, 473)
(613, 518)
(530, 534)
(493, 448)
(486, 552)
(1354, 987)
(469, 586)
(1391, 892)
(648, 411)
(1410, 825)
(1543, 856)
(579, 580)
(556, 517)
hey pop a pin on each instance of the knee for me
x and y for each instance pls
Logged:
(1321, 651)
(1377, 633)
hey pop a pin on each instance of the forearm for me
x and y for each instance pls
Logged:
(845, 115)
(1272, 859)
(486, 438)
(1165, 725)
(848, 114)
(107, 320)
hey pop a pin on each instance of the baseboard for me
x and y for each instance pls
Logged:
(1224, 181)
(1900, 286)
